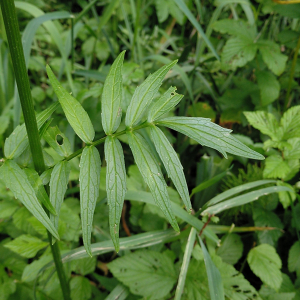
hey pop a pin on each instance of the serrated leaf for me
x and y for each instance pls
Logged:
(292, 151)
(50, 136)
(76, 115)
(276, 167)
(41, 194)
(58, 186)
(89, 177)
(290, 123)
(17, 142)
(26, 245)
(152, 175)
(144, 94)
(172, 164)
(164, 104)
(294, 258)
(147, 273)
(16, 180)
(272, 56)
(209, 134)
(115, 185)
(265, 263)
(112, 96)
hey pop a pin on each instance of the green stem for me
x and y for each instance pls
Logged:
(18, 61)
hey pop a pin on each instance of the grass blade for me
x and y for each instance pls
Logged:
(120, 292)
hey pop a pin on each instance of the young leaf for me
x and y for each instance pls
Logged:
(16, 180)
(90, 167)
(151, 172)
(172, 164)
(144, 94)
(112, 96)
(209, 134)
(115, 185)
(76, 115)
(58, 186)
(164, 104)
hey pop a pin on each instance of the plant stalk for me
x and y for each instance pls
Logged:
(18, 61)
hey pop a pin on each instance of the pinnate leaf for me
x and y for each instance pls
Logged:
(115, 185)
(90, 167)
(16, 180)
(76, 115)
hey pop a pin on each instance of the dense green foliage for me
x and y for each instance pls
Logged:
(145, 192)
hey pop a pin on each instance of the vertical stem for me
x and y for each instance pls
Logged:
(136, 30)
(18, 61)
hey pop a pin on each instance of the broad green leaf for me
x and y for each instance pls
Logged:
(115, 185)
(41, 194)
(269, 87)
(290, 123)
(286, 198)
(162, 10)
(265, 122)
(112, 96)
(231, 249)
(272, 56)
(144, 94)
(265, 263)
(4, 122)
(209, 134)
(16, 180)
(276, 167)
(294, 258)
(164, 104)
(89, 177)
(215, 284)
(76, 115)
(17, 142)
(152, 175)
(172, 164)
(81, 288)
(185, 263)
(26, 245)
(58, 186)
(7, 208)
(51, 135)
(243, 199)
(292, 151)
(147, 273)
(120, 292)
(85, 266)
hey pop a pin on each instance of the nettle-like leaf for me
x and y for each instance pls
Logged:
(76, 115)
(16, 180)
(115, 185)
(89, 177)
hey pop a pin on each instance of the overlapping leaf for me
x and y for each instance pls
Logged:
(210, 134)
(115, 185)
(151, 172)
(172, 164)
(90, 167)
(16, 180)
(76, 115)
(144, 94)
(112, 96)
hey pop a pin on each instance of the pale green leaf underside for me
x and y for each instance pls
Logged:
(115, 185)
(144, 94)
(112, 96)
(164, 104)
(90, 167)
(209, 134)
(17, 142)
(16, 180)
(76, 115)
(58, 186)
(152, 175)
(172, 164)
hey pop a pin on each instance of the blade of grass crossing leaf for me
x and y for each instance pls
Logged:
(172, 164)
(112, 96)
(152, 175)
(58, 186)
(90, 167)
(115, 185)
(144, 94)
(76, 115)
(181, 4)
(214, 277)
(16, 180)
(120, 292)
(185, 263)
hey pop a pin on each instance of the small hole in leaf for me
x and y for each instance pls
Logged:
(59, 139)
